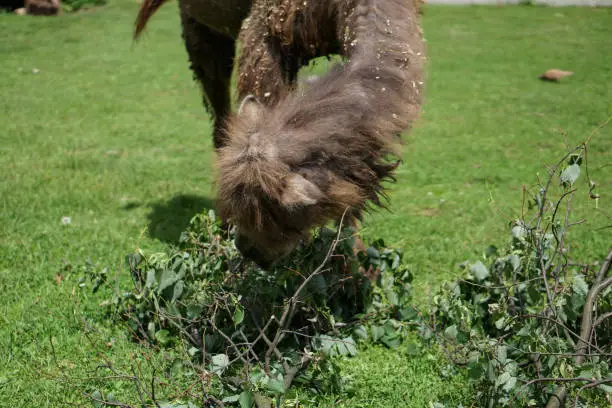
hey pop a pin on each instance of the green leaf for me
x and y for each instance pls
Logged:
(606, 388)
(360, 332)
(238, 315)
(426, 333)
(377, 332)
(178, 290)
(510, 383)
(232, 398)
(534, 293)
(515, 261)
(373, 253)
(167, 278)
(151, 330)
(261, 401)
(391, 327)
(566, 370)
(162, 336)
(462, 337)
(325, 343)
(246, 399)
(212, 341)
(396, 261)
(173, 311)
(570, 175)
(476, 371)
(350, 346)
(275, 386)
(502, 379)
(491, 372)
(256, 375)
(318, 285)
(474, 356)
(392, 297)
(551, 361)
(580, 286)
(194, 311)
(519, 232)
(451, 332)
(409, 313)
(479, 271)
(502, 352)
(97, 399)
(151, 279)
(331, 346)
(220, 363)
(524, 331)
(177, 405)
(412, 349)
(393, 341)
(491, 251)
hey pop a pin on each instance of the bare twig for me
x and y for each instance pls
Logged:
(561, 240)
(107, 403)
(587, 314)
(545, 353)
(153, 389)
(290, 307)
(137, 385)
(257, 339)
(586, 326)
(561, 324)
(590, 385)
(230, 341)
(547, 379)
(605, 267)
(601, 318)
(499, 286)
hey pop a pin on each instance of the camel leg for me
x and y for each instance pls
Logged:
(212, 57)
(265, 71)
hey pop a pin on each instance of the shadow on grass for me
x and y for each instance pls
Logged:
(168, 219)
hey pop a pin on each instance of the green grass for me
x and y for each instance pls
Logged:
(113, 135)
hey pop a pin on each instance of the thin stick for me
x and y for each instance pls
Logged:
(290, 307)
(591, 385)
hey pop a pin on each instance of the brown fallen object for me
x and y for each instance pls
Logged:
(555, 75)
(43, 7)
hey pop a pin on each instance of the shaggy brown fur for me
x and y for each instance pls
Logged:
(292, 160)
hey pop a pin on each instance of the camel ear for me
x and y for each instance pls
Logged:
(250, 107)
(300, 192)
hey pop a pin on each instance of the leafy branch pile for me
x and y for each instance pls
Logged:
(250, 334)
(531, 325)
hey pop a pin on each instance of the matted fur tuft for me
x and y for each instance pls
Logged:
(335, 138)
(332, 135)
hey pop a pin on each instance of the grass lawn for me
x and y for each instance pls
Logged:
(113, 135)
